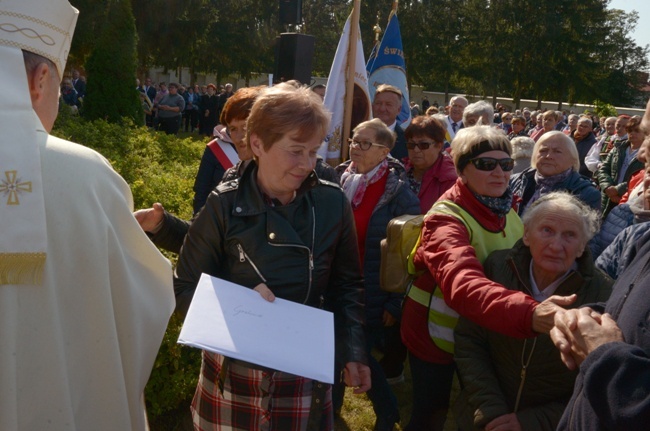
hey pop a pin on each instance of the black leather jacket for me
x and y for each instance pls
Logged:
(305, 251)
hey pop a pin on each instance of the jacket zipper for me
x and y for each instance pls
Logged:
(524, 368)
(521, 280)
(309, 250)
(243, 257)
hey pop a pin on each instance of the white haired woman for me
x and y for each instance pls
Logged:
(554, 167)
(480, 112)
(470, 220)
(516, 383)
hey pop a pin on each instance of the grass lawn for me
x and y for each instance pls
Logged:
(357, 413)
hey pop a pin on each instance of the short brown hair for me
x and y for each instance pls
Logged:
(633, 124)
(426, 126)
(519, 120)
(551, 113)
(239, 105)
(284, 109)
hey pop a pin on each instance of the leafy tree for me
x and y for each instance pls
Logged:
(625, 60)
(111, 93)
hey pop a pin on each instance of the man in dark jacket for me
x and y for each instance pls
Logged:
(584, 138)
(611, 350)
(79, 84)
(386, 106)
(612, 353)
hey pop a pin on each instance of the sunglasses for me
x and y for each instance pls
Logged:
(490, 164)
(421, 145)
(364, 145)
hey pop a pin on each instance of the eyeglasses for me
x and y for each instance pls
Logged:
(490, 164)
(364, 145)
(421, 145)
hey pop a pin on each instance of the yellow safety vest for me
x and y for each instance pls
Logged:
(442, 318)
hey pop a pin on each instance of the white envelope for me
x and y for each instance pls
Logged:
(237, 322)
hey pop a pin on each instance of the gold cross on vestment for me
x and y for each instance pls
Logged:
(12, 187)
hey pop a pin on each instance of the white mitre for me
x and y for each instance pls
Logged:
(43, 27)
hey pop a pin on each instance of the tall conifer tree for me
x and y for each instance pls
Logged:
(111, 68)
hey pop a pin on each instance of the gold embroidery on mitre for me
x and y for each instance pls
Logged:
(28, 33)
(13, 187)
(36, 21)
(22, 268)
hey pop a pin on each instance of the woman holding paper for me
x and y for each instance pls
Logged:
(281, 231)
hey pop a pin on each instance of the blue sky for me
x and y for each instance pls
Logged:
(642, 32)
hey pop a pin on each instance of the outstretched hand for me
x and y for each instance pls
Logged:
(544, 313)
(150, 219)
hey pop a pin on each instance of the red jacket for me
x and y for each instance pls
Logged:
(435, 181)
(450, 262)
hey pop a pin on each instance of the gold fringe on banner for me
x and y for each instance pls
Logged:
(22, 268)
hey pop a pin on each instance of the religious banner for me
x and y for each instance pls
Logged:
(334, 149)
(386, 65)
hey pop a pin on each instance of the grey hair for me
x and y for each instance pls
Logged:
(453, 99)
(586, 120)
(522, 147)
(557, 136)
(383, 135)
(564, 202)
(32, 60)
(482, 109)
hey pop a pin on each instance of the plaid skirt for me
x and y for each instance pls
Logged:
(255, 398)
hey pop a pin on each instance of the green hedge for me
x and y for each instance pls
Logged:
(159, 168)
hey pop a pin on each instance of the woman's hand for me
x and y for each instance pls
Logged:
(544, 313)
(265, 292)
(612, 194)
(388, 319)
(357, 376)
(507, 422)
(150, 219)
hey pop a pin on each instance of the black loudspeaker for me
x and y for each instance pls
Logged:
(291, 12)
(293, 57)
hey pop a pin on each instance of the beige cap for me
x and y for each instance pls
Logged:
(43, 27)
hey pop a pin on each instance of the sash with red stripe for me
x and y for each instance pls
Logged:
(224, 152)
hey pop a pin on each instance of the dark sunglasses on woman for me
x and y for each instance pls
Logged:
(490, 163)
(421, 145)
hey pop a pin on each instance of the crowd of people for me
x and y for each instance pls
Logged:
(531, 287)
(502, 255)
(174, 107)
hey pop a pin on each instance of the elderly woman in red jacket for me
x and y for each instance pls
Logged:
(429, 169)
(470, 220)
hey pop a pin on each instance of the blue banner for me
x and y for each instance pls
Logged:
(386, 65)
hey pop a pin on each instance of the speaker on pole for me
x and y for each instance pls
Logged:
(291, 12)
(293, 57)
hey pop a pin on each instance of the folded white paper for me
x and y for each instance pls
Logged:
(237, 322)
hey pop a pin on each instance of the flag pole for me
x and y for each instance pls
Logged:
(349, 84)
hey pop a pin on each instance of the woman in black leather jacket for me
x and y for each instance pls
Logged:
(281, 231)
